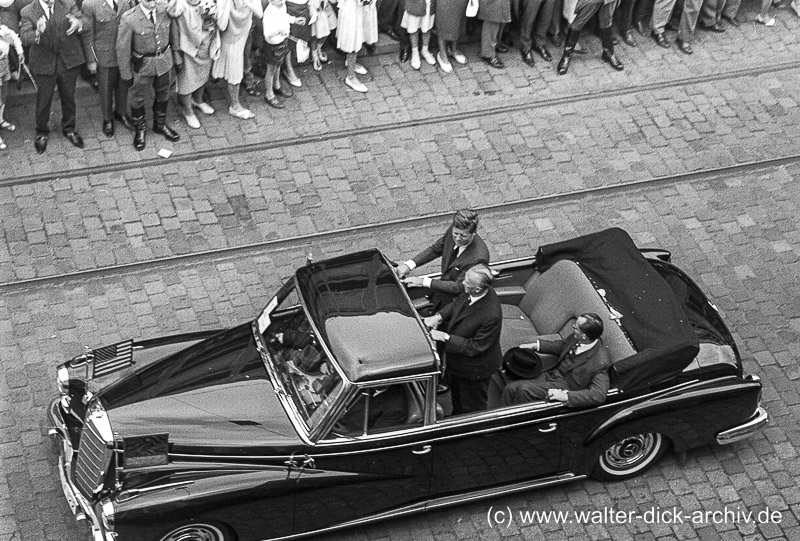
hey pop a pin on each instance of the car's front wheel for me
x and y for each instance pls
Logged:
(629, 457)
(200, 531)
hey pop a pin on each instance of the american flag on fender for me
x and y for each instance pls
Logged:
(111, 358)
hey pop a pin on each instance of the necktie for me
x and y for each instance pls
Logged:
(153, 17)
(116, 6)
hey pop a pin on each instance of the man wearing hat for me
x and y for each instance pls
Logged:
(580, 376)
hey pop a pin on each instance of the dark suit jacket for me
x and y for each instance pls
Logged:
(54, 42)
(387, 409)
(473, 351)
(100, 25)
(10, 16)
(453, 268)
(586, 374)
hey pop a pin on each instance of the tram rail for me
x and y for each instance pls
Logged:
(487, 211)
(178, 158)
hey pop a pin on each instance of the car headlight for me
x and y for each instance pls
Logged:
(107, 514)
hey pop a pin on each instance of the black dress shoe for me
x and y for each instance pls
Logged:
(74, 138)
(494, 62)
(40, 143)
(501, 48)
(684, 46)
(108, 128)
(405, 54)
(527, 57)
(716, 27)
(609, 56)
(733, 20)
(563, 65)
(642, 28)
(392, 34)
(543, 52)
(661, 40)
(627, 37)
(125, 120)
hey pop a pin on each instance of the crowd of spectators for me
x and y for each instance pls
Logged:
(127, 47)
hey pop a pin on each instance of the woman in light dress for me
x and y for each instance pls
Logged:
(358, 24)
(8, 39)
(320, 29)
(199, 44)
(234, 19)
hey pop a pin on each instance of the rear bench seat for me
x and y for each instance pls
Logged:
(552, 301)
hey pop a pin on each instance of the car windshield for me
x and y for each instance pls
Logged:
(297, 357)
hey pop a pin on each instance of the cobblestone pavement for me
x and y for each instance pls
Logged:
(504, 136)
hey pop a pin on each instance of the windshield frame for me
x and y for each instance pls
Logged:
(315, 426)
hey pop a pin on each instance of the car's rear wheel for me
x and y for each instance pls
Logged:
(200, 531)
(629, 457)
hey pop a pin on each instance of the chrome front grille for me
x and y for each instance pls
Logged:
(94, 452)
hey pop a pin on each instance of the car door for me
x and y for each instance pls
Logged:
(495, 448)
(350, 480)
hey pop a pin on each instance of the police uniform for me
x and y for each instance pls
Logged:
(144, 54)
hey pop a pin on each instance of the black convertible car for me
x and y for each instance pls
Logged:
(237, 434)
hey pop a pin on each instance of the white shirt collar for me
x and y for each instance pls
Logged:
(146, 11)
(580, 348)
(45, 7)
(110, 3)
(473, 300)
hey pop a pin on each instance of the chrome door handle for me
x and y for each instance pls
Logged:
(425, 449)
(550, 428)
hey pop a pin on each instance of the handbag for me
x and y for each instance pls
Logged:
(472, 8)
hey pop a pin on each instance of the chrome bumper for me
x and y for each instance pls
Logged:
(745, 430)
(80, 506)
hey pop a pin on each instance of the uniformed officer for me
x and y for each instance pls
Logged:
(100, 24)
(145, 57)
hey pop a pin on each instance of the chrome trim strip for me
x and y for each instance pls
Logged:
(441, 502)
(744, 430)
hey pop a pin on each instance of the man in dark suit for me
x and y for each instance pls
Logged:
(460, 248)
(470, 340)
(146, 58)
(52, 30)
(388, 407)
(580, 377)
(100, 25)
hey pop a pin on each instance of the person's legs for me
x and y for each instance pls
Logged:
(414, 38)
(66, 80)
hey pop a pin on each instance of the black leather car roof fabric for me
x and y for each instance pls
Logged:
(652, 316)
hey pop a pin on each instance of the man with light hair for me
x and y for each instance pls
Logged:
(468, 332)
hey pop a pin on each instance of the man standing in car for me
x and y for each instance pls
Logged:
(470, 341)
(460, 249)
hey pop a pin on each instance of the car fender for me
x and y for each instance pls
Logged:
(258, 496)
(677, 414)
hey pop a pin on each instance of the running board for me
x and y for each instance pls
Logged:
(444, 501)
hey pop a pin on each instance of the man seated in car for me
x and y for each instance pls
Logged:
(388, 406)
(580, 377)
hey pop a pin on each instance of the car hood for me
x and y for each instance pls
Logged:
(214, 397)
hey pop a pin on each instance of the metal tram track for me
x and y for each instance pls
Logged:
(231, 252)
(387, 127)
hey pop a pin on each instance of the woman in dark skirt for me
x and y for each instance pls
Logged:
(451, 20)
